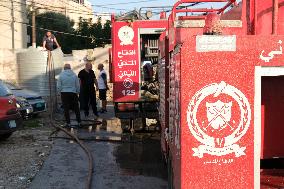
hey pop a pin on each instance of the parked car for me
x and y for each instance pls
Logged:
(34, 99)
(24, 107)
(10, 118)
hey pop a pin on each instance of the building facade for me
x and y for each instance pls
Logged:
(13, 24)
(74, 9)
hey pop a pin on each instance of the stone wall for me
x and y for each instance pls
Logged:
(96, 56)
(9, 69)
(8, 66)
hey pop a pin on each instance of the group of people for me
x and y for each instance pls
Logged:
(85, 85)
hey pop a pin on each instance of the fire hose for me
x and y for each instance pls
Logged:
(51, 78)
(87, 151)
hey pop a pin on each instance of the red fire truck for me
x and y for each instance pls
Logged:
(134, 56)
(221, 73)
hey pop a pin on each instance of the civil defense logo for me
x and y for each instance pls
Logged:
(212, 122)
(126, 35)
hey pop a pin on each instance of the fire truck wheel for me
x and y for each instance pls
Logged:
(125, 128)
(5, 136)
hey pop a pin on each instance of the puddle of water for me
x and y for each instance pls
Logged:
(111, 138)
(109, 126)
(141, 159)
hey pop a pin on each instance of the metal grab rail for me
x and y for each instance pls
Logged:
(275, 17)
(177, 4)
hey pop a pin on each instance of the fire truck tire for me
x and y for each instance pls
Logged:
(5, 136)
(125, 128)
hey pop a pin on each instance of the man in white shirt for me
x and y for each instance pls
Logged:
(102, 85)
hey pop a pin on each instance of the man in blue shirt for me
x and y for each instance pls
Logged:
(69, 87)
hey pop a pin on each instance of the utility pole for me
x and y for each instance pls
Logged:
(13, 24)
(65, 11)
(33, 10)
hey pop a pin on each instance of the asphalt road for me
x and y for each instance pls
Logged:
(135, 163)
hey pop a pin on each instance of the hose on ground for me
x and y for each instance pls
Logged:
(87, 151)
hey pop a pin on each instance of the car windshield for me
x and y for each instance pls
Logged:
(4, 90)
(12, 86)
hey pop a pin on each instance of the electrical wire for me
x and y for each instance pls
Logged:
(77, 10)
(131, 2)
(55, 8)
(103, 7)
(60, 32)
(41, 16)
(38, 16)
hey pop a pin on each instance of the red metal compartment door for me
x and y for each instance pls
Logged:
(217, 95)
(272, 116)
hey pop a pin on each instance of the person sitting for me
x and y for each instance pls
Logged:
(49, 41)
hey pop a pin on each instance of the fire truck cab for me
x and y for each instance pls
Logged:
(134, 66)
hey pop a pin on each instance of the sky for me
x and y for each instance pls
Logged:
(126, 4)
(122, 6)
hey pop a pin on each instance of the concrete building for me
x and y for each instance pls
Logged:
(74, 9)
(12, 24)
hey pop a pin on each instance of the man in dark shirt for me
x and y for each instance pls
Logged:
(147, 70)
(87, 90)
(48, 41)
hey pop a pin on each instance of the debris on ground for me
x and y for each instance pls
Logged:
(23, 154)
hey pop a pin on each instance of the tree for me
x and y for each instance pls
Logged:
(84, 29)
(87, 35)
(55, 22)
(107, 32)
(98, 34)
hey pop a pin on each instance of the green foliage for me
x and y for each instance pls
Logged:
(97, 34)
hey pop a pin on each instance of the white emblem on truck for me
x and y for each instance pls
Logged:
(126, 35)
(214, 124)
(219, 114)
(270, 55)
(128, 83)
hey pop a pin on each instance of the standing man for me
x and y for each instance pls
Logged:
(69, 87)
(48, 42)
(88, 91)
(147, 70)
(102, 83)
